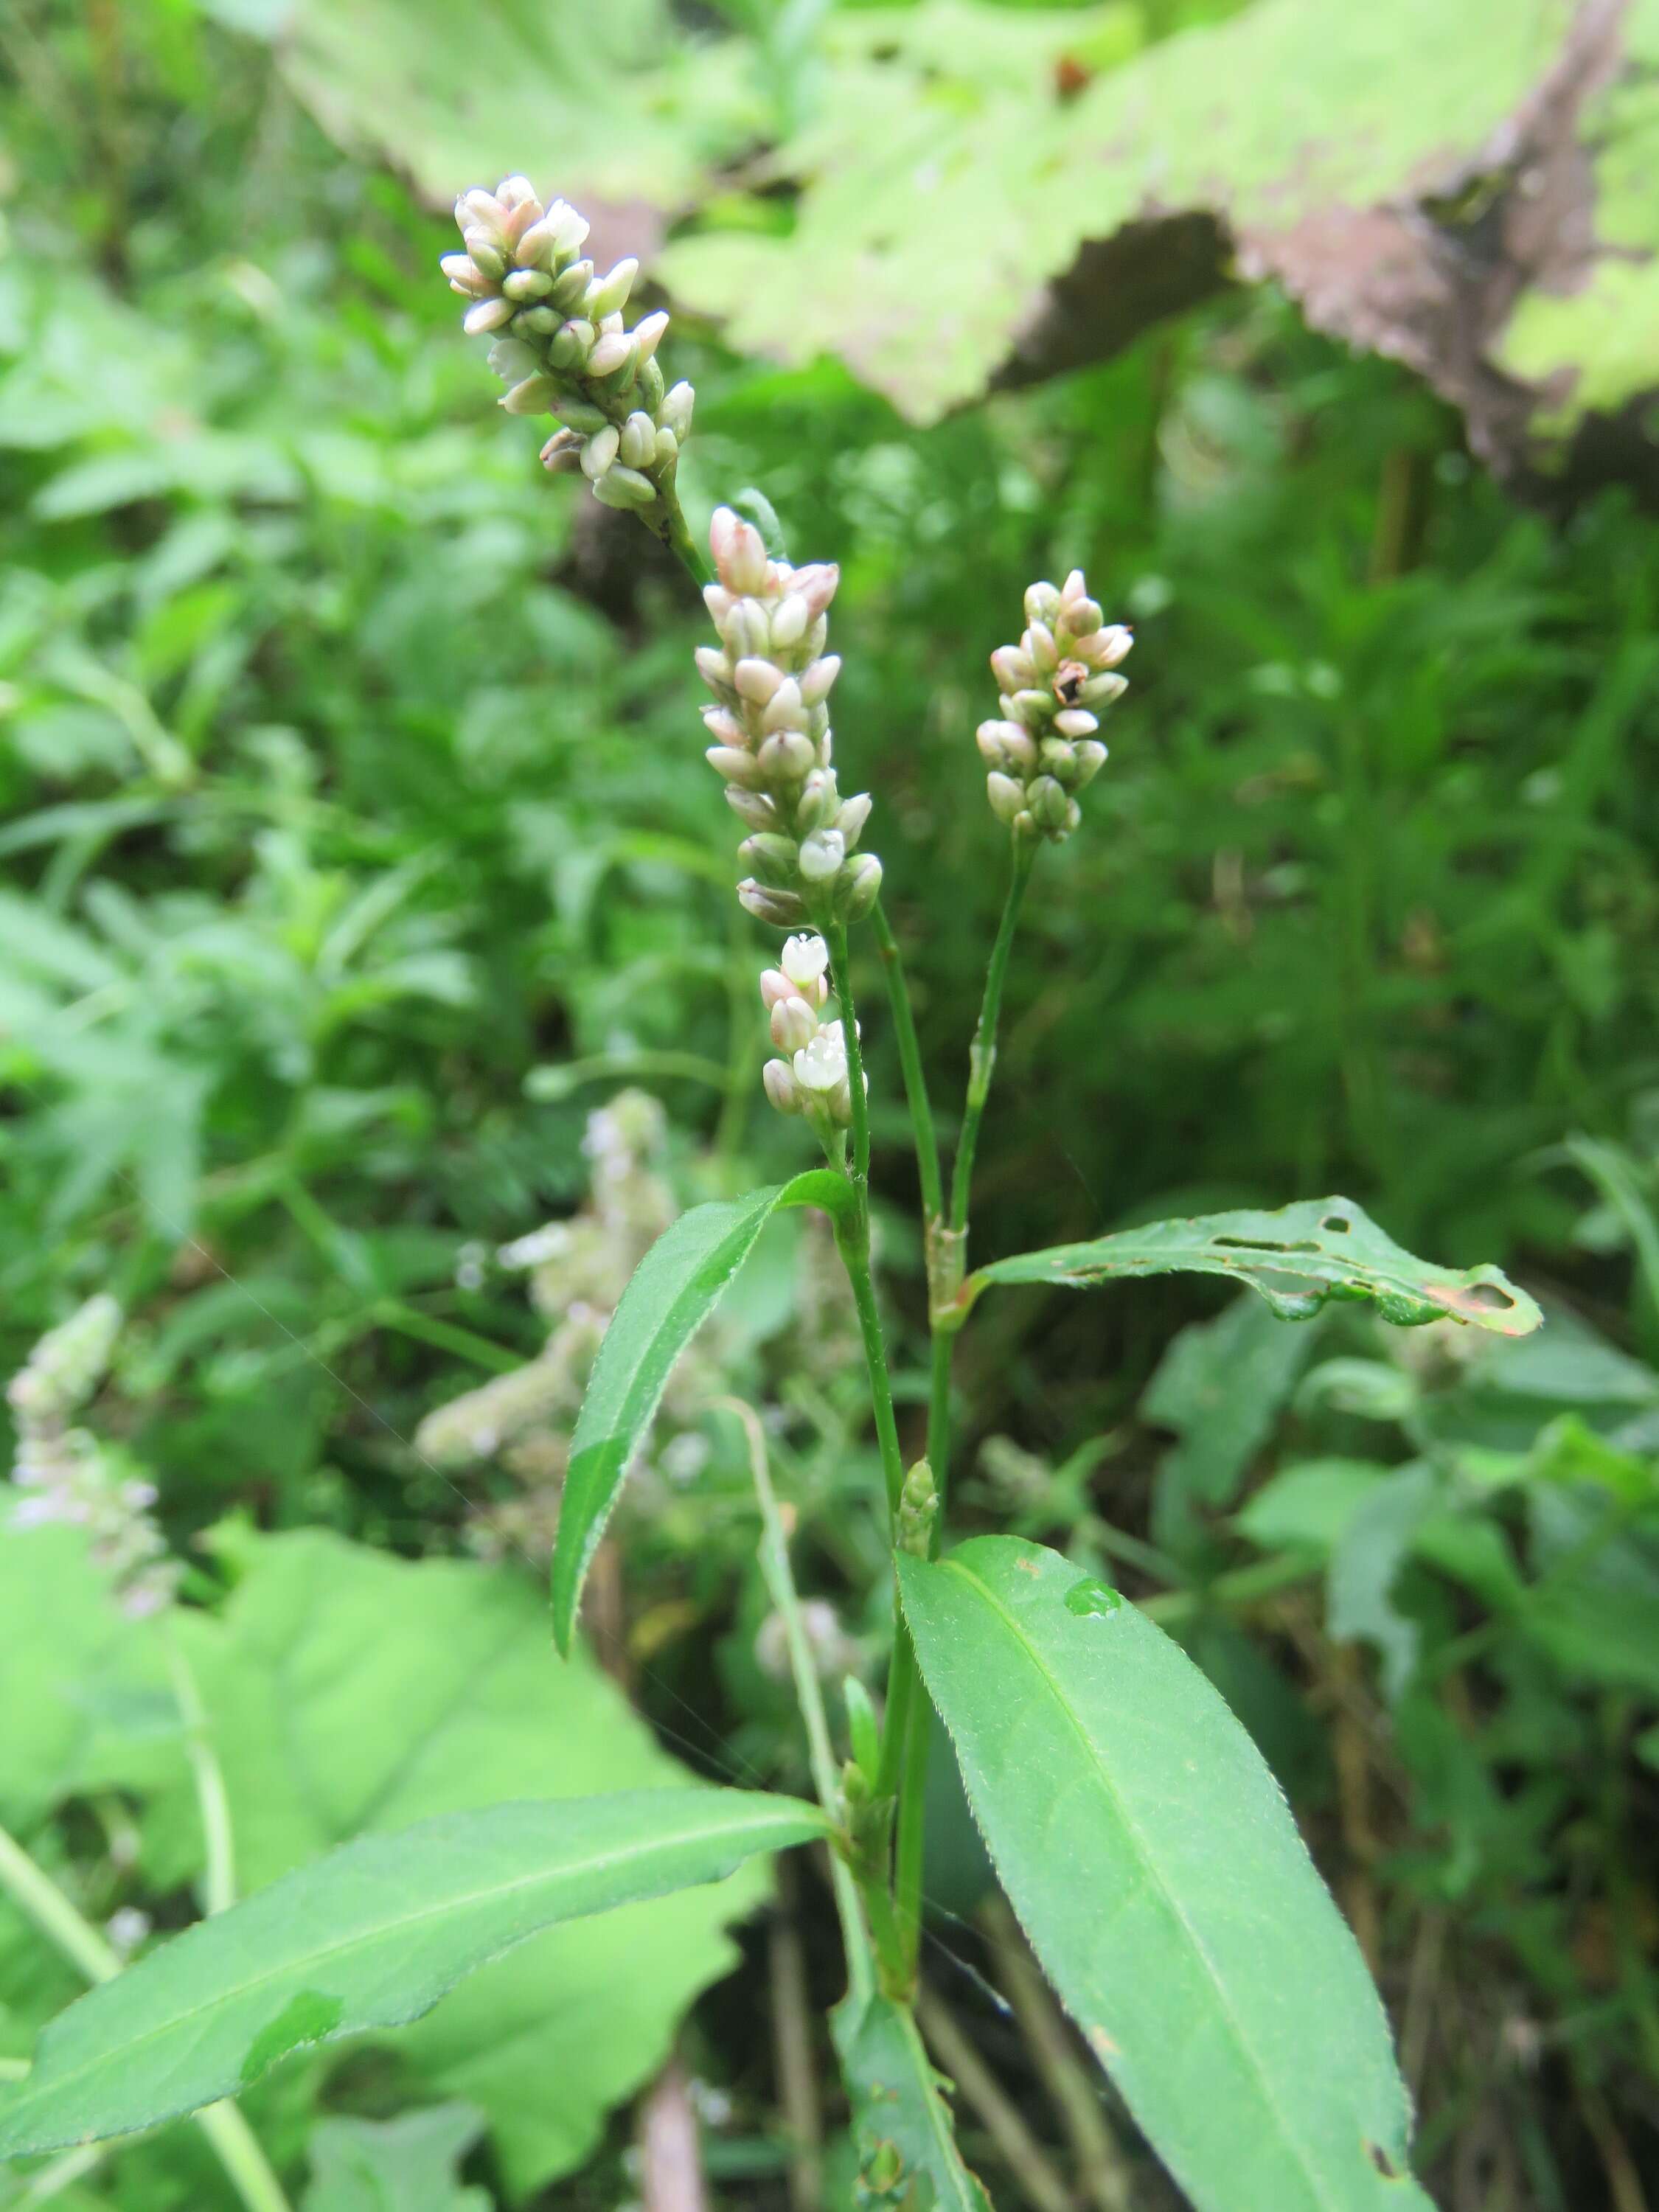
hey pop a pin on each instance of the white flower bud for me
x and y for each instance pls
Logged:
(1041, 602)
(514, 191)
(538, 247)
(816, 584)
(787, 754)
(1105, 648)
(857, 889)
(666, 448)
(785, 709)
(613, 355)
(781, 1087)
(735, 765)
(714, 667)
(853, 817)
(998, 742)
(753, 808)
(487, 315)
(649, 333)
(718, 600)
(463, 271)
(638, 440)
(822, 854)
(721, 724)
(480, 210)
(611, 292)
(816, 681)
(1076, 722)
(1013, 669)
(486, 249)
(793, 1025)
(1007, 797)
(569, 230)
(739, 552)
(1039, 644)
(1090, 759)
(625, 487)
(756, 679)
(513, 361)
(534, 396)
(1101, 690)
(818, 799)
(675, 413)
(744, 632)
(601, 452)
(789, 619)
(774, 987)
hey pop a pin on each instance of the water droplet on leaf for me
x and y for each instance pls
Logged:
(1091, 1597)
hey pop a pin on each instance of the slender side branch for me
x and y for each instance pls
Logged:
(916, 1080)
(983, 1057)
(826, 1780)
(219, 1884)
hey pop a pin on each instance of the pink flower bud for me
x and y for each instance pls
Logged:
(739, 554)
(816, 682)
(780, 1087)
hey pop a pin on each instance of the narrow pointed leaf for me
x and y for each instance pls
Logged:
(1155, 1865)
(370, 1936)
(902, 2126)
(674, 1289)
(1298, 1259)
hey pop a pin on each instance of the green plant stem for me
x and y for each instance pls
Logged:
(780, 1580)
(840, 973)
(1035, 2173)
(212, 1801)
(670, 527)
(909, 1052)
(982, 1059)
(35, 1895)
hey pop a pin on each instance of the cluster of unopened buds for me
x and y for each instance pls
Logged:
(1044, 748)
(771, 680)
(563, 346)
(813, 1079)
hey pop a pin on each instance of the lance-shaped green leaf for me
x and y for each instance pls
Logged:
(1157, 1868)
(370, 1936)
(673, 1291)
(902, 2126)
(1298, 1259)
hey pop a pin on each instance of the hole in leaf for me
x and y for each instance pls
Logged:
(1489, 1298)
(1260, 1244)
(1380, 2159)
(1337, 1223)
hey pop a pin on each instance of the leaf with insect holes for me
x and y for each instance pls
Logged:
(1298, 1259)
(1155, 1865)
(370, 1936)
(672, 1292)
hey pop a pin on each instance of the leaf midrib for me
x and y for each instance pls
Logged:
(384, 1929)
(1151, 1873)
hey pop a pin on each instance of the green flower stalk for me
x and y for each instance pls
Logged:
(563, 348)
(771, 679)
(1045, 748)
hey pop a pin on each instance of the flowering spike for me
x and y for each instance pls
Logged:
(1043, 748)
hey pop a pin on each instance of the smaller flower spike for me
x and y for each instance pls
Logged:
(771, 679)
(1044, 748)
(812, 1077)
(562, 347)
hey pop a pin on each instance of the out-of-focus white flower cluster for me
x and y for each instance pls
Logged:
(561, 343)
(68, 1474)
(1043, 749)
(812, 1080)
(578, 1270)
(770, 723)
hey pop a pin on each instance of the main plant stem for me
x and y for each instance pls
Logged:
(34, 1892)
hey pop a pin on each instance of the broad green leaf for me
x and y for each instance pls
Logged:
(349, 1692)
(405, 2165)
(1307, 1505)
(902, 2126)
(1298, 1258)
(371, 1937)
(1158, 1871)
(1366, 1563)
(674, 1289)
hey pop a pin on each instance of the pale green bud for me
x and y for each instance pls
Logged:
(1007, 797)
(857, 887)
(648, 334)
(1041, 650)
(639, 441)
(625, 487)
(665, 449)
(675, 413)
(580, 414)
(651, 387)
(527, 284)
(853, 817)
(538, 322)
(1090, 759)
(771, 851)
(534, 396)
(538, 247)
(512, 360)
(818, 799)
(569, 230)
(486, 250)
(570, 289)
(753, 808)
(614, 355)
(486, 315)
(601, 452)
(1049, 805)
(783, 909)
(1041, 602)
(611, 292)
(918, 1510)
(572, 343)
(735, 765)
(1101, 690)
(787, 754)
